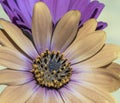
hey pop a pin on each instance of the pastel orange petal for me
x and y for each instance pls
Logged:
(12, 77)
(65, 31)
(19, 38)
(41, 26)
(104, 57)
(18, 94)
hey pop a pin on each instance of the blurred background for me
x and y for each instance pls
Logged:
(111, 15)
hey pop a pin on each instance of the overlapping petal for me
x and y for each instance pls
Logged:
(12, 77)
(18, 94)
(90, 91)
(100, 77)
(70, 95)
(19, 39)
(92, 10)
(10, 58)
(108, 54)
(86, 47)
(17, 14)
(20, 11)
(4, 41)
(114, 68)
(45, 96)
(88, 27)
(91, 61)
(65, 31)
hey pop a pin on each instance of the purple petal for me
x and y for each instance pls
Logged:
(93, 10)
(29, 5)
(58, 8)
(16, 10)
(101, 25)
(78, 5)
(9, 12)
(23, 18)
(21, 10)
(11, 4)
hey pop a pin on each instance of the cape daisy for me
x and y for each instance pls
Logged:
(62, 65)
(20, 11)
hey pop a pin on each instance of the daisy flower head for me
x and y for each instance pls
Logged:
(63, 64)
(20, 11)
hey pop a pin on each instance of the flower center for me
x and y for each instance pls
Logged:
(51, 69)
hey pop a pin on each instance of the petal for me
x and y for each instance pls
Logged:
(108, 54)
(100, 77)
(18, 94)
(58, 8)
(65, 31)
(85, 48)
(12, 77)
(114, 68)
(91, 92)
(43, 95)
(93, 10)
(55, 95)
(18, 37)
(70, 95)
(22, 18)
(8, 6)
(13, 59)
(88, 27)
(78, 5)
(41, 26)
(24, 11)
(38, 96)
(4, 40)
(101, 25)
(30, 5)
(11, 6)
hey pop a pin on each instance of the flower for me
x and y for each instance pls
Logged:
(64, 64)
(20, 11)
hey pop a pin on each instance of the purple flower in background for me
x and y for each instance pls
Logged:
(20, 11)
